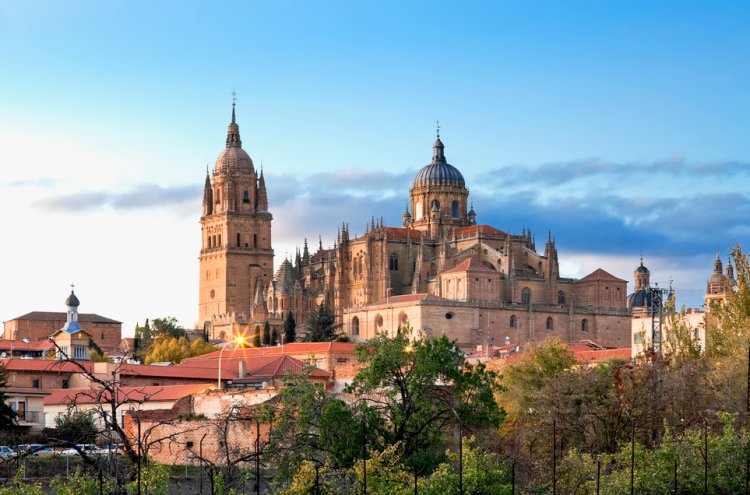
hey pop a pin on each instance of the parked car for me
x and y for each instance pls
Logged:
(37, 450)
(6, 451)
(86, 447)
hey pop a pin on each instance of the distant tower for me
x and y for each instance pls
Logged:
(717, 284)
(236, 256)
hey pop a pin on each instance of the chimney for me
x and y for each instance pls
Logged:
(242, 369)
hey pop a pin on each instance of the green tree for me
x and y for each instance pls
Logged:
(7, 415)
(290, 328)
(321, 325)
(310, 425)
(274, 337)
(484, 473)
(256, 337)
(266, 334)
(169, 326)
(421, 388)
(75, 427)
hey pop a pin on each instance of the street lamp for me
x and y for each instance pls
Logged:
(239, 341)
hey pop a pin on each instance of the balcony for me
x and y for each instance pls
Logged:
(30, 418)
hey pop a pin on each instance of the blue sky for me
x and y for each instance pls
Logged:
(620, 126)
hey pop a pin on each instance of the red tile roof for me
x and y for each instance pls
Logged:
(60, 316)
(473, 230)
(20, 345)
(596, 356)
(402, 232)
(601, 275)
(48, 365)
(470, 265)
(293, 348)
(125, 394)
(270, 366)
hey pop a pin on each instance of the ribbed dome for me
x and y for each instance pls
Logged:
(641, 269)
(234, 159)
(439, 171)
(643, 299)
(72, 300)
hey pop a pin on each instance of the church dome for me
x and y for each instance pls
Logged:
(644, 299)
(234, 159)
(641, 269)
(72, 300)
(439, 171)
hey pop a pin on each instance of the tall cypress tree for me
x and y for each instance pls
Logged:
(7, 415)
(256, 337)
(290, 328)
(266, 334)
(320, 325)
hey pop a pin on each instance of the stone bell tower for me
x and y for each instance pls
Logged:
(236, 257)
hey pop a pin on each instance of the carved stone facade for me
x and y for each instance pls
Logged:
(442, 273)
(236, 257)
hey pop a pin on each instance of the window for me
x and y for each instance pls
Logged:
(418, 210)
(245, 196)
(65, 383)
(513, 321)
(35, 383)
(79, 352)
(355, 327)
(448, 316)
(526, 296)
(378, 321)
(255, 240)
(239, 243)
(189, 444)
(550, 324)
(561, 297)
(454, 209)
(393, 263)
(637, 339)
(219, 240)
(584, 325)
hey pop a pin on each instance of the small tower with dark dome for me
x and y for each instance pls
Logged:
(439, 195)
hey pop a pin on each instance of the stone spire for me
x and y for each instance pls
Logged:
(305, 253)
(262, 194)
(233, 132)
(208, 196)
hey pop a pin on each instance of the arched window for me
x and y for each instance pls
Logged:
(418, 210)
(561, 297)
(355, 327)
(526, 296)
(584, 325)
(550, 324)
(378, 322)
(393, 263)
(454, 209)
(245, 196)
(219, 240)
(403, 320)
(513, 321)
(239, 244)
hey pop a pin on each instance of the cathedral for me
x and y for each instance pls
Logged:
(440, 272)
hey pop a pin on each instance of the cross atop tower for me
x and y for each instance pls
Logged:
(437, 126)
